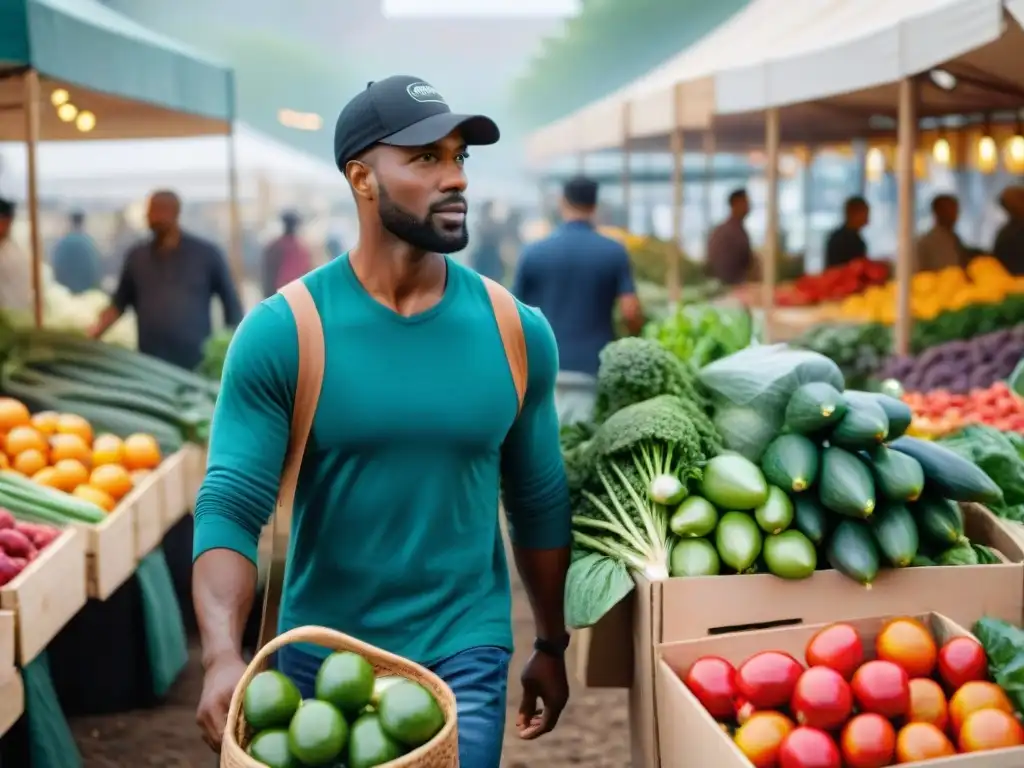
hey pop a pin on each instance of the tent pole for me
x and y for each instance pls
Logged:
(770, 261)
(627, 196)
(673, 275)
(907, 144)
(31, 98)
(807, 194)
(235, 218)
(709, 180)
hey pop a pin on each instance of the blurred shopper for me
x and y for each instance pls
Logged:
(286, 258)
(576, 277)
(487, 254)
(941, 247)
(1009, 244)
(76, 260)
(845, 243)
(15, 268)
(730, 257)
(170, 281)
(437, 388)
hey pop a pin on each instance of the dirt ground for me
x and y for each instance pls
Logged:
(593, 731)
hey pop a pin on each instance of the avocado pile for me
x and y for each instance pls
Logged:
(840, 487)
(355, 720)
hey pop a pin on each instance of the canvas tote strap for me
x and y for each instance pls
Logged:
(310, 332)
(510, 327)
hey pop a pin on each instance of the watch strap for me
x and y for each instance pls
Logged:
(552, 647)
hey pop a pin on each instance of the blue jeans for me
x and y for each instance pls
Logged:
(479, 679)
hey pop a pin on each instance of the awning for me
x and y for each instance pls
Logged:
(136, 82)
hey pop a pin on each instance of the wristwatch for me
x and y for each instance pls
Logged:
(556, 647)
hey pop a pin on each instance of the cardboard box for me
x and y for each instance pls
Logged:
(695, 740)
(692, 608)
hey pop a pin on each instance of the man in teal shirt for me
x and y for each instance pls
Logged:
(395, 535)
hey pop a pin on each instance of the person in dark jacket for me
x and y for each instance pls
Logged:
(76, 259)
(845, 243)
(1009, 244)
(730, 256)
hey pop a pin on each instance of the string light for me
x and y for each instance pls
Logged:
(60, 97)
(988, 154)
(67, 112)
(85, 121)
(941, 151)
(874, 164)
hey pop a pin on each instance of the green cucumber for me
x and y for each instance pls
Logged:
(776, 514)
(940, 521)
(864, 425)
(695, 517)
(922, 561)
(810, 518)
(896, 411)
(791, 462)
(790, 555)
(898, 477)
(846, 485)
(948, 474)
(813, 407)
(694, 557)
(961, 554)
(896, 533)
(738, 541)
(986, 555)
(75, 508)
(853, 552)
(731, 481)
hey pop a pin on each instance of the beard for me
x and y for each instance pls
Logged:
(422, 234)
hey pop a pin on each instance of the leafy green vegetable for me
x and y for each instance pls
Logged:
(993, 452)
(594, 585)
(215, 350)
(1004, 646)
(702, 333)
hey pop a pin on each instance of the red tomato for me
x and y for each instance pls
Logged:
(821, 699)
(767, 679)
(883, 688)
(838, 647)
(713, 681)
(961, 660)
(868, 741)
(809, 748)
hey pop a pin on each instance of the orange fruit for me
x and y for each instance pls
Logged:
(69, 447)
(13, 413)
(107, 449)
(112, 479)
(972, 697)
(46, 476)
(141, 452)
(928, 703)
(101, 499)
(21, 439)
(46, 422)
(5, 463)
(908, 644)
(990, 729)
(922, 741)
(73, 424)
(29, 462)
(71, 473)
(760, 737)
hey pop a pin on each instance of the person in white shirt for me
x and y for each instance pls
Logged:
(15, 270)
(941, 247)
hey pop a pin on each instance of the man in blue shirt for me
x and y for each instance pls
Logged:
(170, 281)
(76, 259)
(576, 276)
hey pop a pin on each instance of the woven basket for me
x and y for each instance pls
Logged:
(440, 752)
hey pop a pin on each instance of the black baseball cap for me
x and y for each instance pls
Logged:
(403, 111)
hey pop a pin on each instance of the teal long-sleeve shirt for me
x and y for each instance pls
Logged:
(395, 532)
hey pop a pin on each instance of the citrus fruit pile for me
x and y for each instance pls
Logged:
(355, 718)
(910, 700)
(59, 450)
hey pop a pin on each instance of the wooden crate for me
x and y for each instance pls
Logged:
(195, 471)
(146, 502)
(12, 698)
(175, 471)
(7, 641)
(47, 594)
(110, 551)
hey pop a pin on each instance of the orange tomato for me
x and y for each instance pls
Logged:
(922, 741)
(71, 473)
(5, 463)
(112, 479)
(760, 737)
(13, 413)
(29, 462)
(73, 424)
(908, 644)
(46, 476)
(46, 422)
(928, 703)
(972, 697)
(141, 452)
(107, 449)
(66, 446)
(100, 498)
(990, 729)
(21, 439)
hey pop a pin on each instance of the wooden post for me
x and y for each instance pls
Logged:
(31, 98)
(907, 144)
(709, 179)
(673, 276)
(235, 256)
(770, 258)
(627, 197)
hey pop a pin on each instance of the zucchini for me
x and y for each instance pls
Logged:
(940, 521)
(69, 372)
(813, 407)
(961, 554)
(896, 533)
(864, 425)
(896, 411)
(810, 518)
(949, 474)
(74, 508)
(853, 552)
(898, 477)
(922, 561)
(790, 462)
(846, 485)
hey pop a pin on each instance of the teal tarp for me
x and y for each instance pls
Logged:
(51, 744)
(84, 43)
(166, 643)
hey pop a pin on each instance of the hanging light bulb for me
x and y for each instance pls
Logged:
(941, 152)
(85, 121)
(1014, 153)
(59, 96)
(67, 112)
(988, 154)
(874, 164)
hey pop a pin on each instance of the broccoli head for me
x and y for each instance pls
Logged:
(635, 369)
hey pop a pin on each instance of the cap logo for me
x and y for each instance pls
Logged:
(424, 93)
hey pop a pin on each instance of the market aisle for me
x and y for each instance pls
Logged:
(593, 731)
